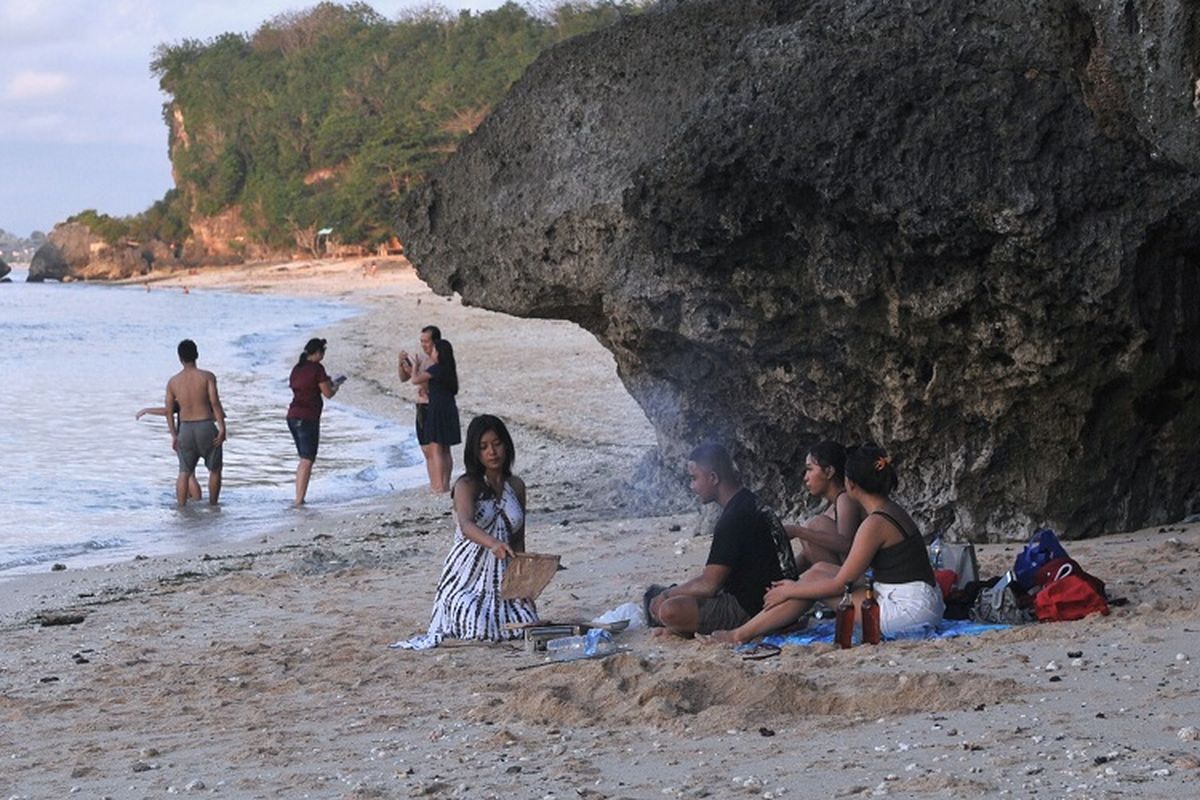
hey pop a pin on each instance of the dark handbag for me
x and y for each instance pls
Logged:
(1001, 603)
(960, 603)
(1069, 596)
(1043, 548)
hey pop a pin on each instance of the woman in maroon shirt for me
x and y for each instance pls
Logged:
(309, 383)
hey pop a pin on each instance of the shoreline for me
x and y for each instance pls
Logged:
(114, 527)
(391, 288)
(260, 669)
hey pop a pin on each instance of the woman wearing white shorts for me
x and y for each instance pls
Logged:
(904, 606)
(887, 542)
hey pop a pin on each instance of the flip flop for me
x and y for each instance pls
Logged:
(757, 652)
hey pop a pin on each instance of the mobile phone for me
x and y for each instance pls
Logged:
(339, 380)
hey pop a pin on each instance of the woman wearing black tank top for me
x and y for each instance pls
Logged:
(827, 536)
(887, 541)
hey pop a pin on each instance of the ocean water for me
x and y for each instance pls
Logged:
(82, 482)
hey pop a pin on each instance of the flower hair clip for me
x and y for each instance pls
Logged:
(881, 463)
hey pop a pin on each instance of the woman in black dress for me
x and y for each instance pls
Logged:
(441, 422)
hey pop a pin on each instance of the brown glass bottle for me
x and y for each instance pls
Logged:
(844, 628)
(871, 634)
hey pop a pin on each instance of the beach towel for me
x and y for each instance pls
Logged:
(946, 629)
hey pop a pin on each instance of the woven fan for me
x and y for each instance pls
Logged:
(527, 574)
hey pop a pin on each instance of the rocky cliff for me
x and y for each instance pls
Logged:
(224, 238)
(967, 231)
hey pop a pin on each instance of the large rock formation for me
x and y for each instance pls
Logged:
(967, 231)
(66, 253)
(47, 264)
(72, 251)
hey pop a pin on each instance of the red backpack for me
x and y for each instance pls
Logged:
(1068, 592)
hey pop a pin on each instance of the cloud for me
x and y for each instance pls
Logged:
(17, 12)
(30, 85)
(27, 24)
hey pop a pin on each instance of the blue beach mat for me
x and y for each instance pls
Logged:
(823, 632)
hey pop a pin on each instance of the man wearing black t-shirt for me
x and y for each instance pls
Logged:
(750, 551)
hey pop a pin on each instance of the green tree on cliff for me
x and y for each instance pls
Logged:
(329, 116)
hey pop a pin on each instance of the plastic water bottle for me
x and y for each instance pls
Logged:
(935, 552)
(597, 642)
(566, 648)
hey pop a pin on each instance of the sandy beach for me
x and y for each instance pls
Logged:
(261, 669)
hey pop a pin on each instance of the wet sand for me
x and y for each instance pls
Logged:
(261, 669)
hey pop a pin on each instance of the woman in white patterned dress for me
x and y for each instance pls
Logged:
(489, 505)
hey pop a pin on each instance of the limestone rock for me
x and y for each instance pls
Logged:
(66, 252)
(72, 251)
(967, 231)
(48, 264)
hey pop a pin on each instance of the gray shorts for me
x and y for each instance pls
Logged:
(720, 613)
(196, 442)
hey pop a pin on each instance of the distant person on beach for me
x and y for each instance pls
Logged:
(194, 491)
(827, 537)
(439, 376)
(310, 383)
(200, 431)
(409, 366)
(489, 509)
(749, 552)
(887, 541)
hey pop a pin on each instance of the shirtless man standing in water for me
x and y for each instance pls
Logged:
(201, 428)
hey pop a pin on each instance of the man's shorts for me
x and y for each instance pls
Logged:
(196, 442)
(422, 411)
(720, 613)
(306, 434)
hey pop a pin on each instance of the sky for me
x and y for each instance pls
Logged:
(80, 114)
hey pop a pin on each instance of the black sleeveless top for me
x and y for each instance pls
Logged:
(838, 558)
(904, 562)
